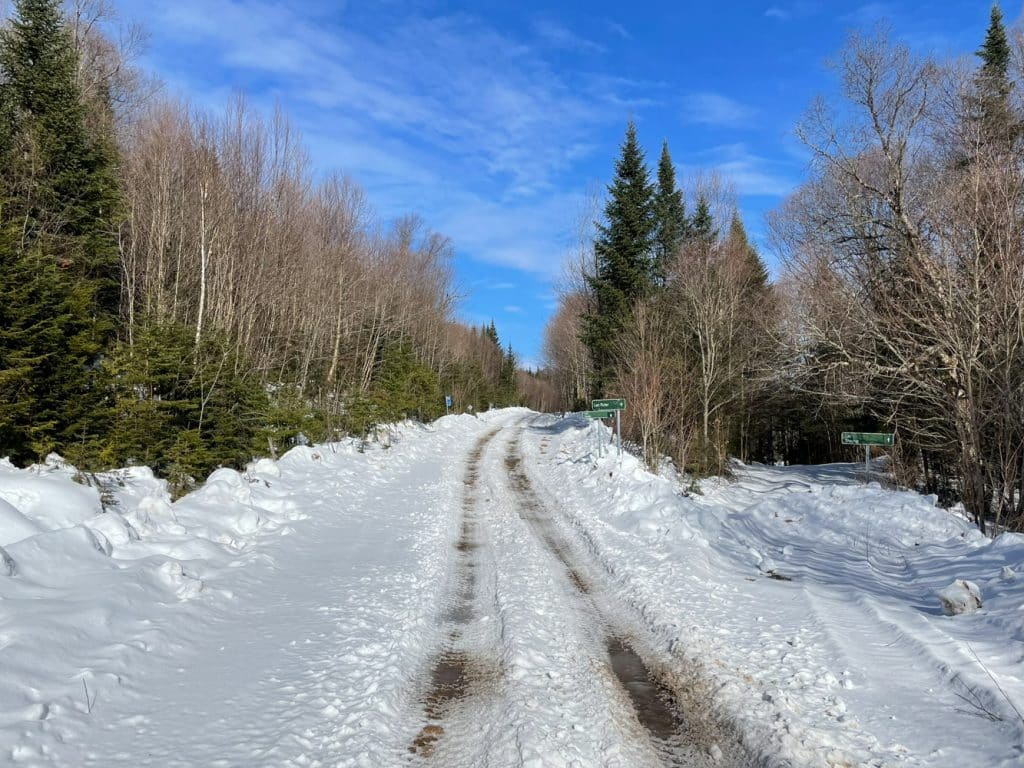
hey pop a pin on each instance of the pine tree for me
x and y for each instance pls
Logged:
(738, 243)
(623, 253)
(999, 124)
(491, 332)
(669, 217)
(60, 197)
(508, 389)
(702, 225)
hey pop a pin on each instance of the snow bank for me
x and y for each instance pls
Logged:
(809, 599)
(105, 614)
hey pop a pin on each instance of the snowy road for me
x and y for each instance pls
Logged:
(538, 668)
(488, 592)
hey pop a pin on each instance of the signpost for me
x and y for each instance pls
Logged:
(597, 416)
(867, 439)
(617, 405)
(447, 404)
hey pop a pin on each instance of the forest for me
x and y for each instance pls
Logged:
(898, 305)
(180, 289)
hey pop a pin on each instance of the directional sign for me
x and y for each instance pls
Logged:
(868, 438)
(447, 401)
(614, 404)
(599, 414)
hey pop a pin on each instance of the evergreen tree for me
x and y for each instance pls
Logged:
(491, 332)
(993, 109)
(995, 51)
(738, 243)
(623, 253)
(508, 387)
(702, 225)
(669, 217)
(60, 286)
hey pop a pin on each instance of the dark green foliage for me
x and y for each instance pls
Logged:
(623, 252)
(702, 225)
(60, 285)
(671, 225)
(402, 388)
(469, 384)
(995, 51)
(66, 186)
(508, 388)
(990, 104)
(491, 332)
(181, 411)
(289, 415)
(45, 344)
(738, 243)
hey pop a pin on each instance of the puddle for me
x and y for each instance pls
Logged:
(651, 700)
(449, 682)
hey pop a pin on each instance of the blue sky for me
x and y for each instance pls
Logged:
(493, 120)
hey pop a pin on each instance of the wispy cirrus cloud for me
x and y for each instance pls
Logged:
(617, 29)
(748, 172)
(715, 109)
(559, 36)
(445, 115)
(786, 11)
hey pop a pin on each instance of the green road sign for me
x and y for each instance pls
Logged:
(599, 414)
(868, 438)
(615, 404)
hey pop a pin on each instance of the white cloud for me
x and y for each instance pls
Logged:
(749, 173)
(617, 29)
(513, 308)
(716, 109)
(558, 36)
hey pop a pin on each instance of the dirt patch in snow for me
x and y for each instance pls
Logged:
(458, 674)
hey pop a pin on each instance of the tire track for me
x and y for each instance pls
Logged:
(461, 671)
(649, 685)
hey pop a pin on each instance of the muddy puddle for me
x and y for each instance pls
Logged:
(652, 701)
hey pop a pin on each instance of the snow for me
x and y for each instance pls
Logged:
(810, 599)
(961, 597)
(290, 614)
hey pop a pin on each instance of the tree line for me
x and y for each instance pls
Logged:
(178, 289)
(899, 305)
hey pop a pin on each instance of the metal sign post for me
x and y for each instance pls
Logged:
(618, 432)
(447, 404)
(595, 416)
(867, 439)
(616, 404)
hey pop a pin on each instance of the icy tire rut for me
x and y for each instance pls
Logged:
(539, 666)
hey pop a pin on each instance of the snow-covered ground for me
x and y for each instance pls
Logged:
(454, 599)
(811, 600)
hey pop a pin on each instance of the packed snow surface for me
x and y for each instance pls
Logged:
(297, 613)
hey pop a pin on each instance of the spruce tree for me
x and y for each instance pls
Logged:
(491, 332)
(702, 225)
(999, 125)
(623, 253)
(740, 245)
(669, 217)
(508, 386)
(59, 192)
